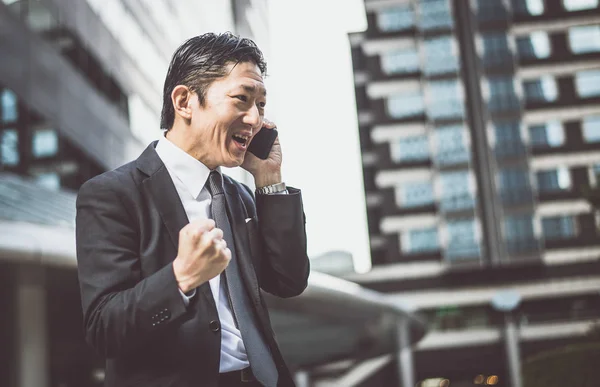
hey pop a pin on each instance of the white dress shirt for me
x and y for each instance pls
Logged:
(189, 176)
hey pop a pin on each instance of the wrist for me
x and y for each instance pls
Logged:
(184, 284)
(265, 179)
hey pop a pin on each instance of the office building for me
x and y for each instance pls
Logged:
(479, 126)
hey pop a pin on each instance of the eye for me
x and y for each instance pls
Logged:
(262, 105)
(242, 98)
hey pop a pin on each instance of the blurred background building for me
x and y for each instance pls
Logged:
(479, 126)
(81, 93)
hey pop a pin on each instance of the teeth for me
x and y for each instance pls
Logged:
(245, 138)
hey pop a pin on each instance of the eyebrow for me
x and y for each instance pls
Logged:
(252, 89)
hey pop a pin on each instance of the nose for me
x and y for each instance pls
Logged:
(253, 118)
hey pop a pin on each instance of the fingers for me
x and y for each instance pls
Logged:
(268, 124)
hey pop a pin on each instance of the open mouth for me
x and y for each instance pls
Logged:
(240, 139)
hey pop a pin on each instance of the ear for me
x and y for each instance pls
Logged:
(181, 97)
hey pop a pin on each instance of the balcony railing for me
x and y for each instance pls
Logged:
(457, 203)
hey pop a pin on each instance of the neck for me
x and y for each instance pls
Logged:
(183, 140)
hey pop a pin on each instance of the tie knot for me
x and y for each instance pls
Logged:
(215, 183)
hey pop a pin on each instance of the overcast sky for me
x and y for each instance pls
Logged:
(311, 98)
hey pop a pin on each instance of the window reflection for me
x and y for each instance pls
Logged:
(451, 147)
(461, 239)
(445, 100)
(584, 39)
(495, 50)
(541, 90)
(439, 56)
(416, 194)
(406, 105)
(435, 14)
(528, 7)
(549, 134)
(579, 5)
(558, 227)
(553, 180)
(587, 83)
(396, 19)
(514, 185)
(536, 45)
(420, 240)
(45, 143)
(400, 62)
(408, 149)
(502, 94)
(455, 191)
(9, 106)
(591, 128)
(519, 233)
(9, 147)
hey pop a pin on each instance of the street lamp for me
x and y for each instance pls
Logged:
(506, 301)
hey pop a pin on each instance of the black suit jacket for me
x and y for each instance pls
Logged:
(128, 223)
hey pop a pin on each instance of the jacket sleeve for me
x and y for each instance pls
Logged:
(285, 265)
(121, 309)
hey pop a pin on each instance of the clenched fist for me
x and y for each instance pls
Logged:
(202, 254)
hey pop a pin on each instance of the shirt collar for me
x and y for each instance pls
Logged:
(192, 173)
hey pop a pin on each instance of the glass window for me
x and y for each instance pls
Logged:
(450, 147)
(502, 94)
(9, 106)
(434, 14)
(495, 50)
(536, 45)
(9, 147)
(541, 90)
(553, 180)
(439, 56)
(528, 7)
(420, 241)
(514, 185)
(416, 194)
(519, 234)
(508, 139)
(548, 134)
(445, 100)
(591, 128)
(406, 105)
(558, 227)
(519, 227)
(396, 19)
(49, 180)
(411, 149)
(490, 10)
(587, 83)
(461, 239)
(579, 5)
(45, 143)
(584, 39)
(399, 62)
(455, 191)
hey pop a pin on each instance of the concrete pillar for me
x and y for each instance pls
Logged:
(405, 355)
(511, 338)
(302, 378)
(31, 332)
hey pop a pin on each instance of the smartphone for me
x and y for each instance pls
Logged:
(262, 143)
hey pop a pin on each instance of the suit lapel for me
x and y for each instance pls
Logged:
(160, 188)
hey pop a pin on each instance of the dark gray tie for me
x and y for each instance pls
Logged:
(258, 352)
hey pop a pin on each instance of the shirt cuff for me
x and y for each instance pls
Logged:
(187, 297)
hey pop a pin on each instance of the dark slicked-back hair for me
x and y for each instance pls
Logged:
(202, 59)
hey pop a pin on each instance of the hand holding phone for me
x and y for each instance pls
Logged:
(262, 143)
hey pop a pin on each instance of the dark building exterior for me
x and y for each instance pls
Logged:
(480, 133)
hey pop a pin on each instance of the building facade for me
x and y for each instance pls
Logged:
(80, 93)
(479, 124)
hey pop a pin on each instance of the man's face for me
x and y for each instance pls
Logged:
(232, 114)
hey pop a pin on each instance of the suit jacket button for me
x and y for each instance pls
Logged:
(214, 326)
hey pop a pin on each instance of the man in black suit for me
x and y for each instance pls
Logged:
(172, 255)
